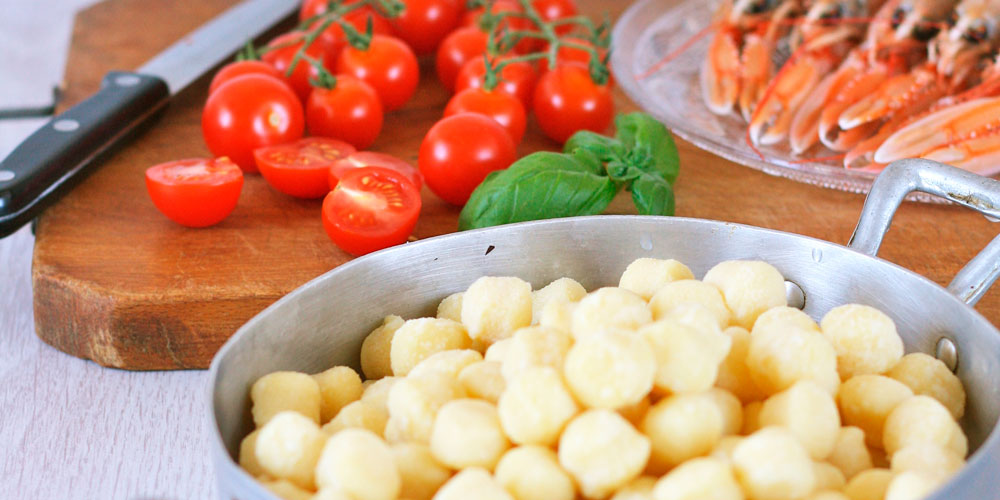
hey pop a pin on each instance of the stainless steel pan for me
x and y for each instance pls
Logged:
(323, 323)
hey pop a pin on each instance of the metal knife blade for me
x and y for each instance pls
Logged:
(61, 152)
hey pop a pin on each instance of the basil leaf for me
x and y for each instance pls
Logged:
(588, 160)
(603, 147)
(649, 144)
(622, 172)
(652, 195)
(539, 186)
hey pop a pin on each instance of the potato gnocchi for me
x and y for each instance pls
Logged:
(664, 387)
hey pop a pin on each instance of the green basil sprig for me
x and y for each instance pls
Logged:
(582, 180)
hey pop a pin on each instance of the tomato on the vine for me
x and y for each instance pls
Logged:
(358, 18)
(517, 78)
(370, 209)
(461, 46)
(567, 100)
(197, 192)
(301, 168)
(280, 53)
(551, 10)
(572, 55)
(249, 112)
(459, 151)
(240, 68)
(504, 108)
(388, 65)
(350, 111)
(424, 23)
(362, 159)
(474, 18)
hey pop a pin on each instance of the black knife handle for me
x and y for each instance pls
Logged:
(51, 160)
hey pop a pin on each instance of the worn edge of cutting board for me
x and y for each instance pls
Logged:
(88, 305)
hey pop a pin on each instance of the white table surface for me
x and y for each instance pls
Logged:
(70, 429)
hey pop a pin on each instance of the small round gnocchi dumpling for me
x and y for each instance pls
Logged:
(704, 478)
(771, 464)
(678, 293)
(609, 308)
(472, 482)
(734, 376)
(414, 402)
(536, 406)
(751, 417)
(612, 370)
(869, 485)
(562, 290)
(750, 287)
(782, 317)
(558, 314)
(360, 464)
(723, 450)
(922, 419)
(827, 495)
(926, 458)
(602, 452)
(467, 433)
(828, 477)
(866, 401)
(377, 393)
(248, 454)
(420, 338)
(928, 376)
(779, 358)
(420, 473)
(809, 412)
(284, 391)
(338, 387)
(494, 307)
(732, 410)
(640, 488)
(483, 380)
(288, 447)
(634, 413)
(450, 307)
(645, 276)
(687, 360)
(850, 454)
(533, 473)
(536, 346)
(911, 485)
(450, 362)
(865, 339)
(695, 316)
(287, 490)
(358, 414)
(497, 351)
(681, 427)
(375, 360)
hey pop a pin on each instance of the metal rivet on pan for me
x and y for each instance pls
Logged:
(795, 296)
(127, 80)
(66, 125)
(6, 175)
(947, 353)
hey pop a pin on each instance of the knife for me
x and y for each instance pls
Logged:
(50, 161)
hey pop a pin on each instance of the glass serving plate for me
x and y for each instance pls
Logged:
(649, 31)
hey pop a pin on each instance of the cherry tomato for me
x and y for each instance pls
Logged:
(474, 18)
(301, 168)
(459, 151)
(550, 10)
(249, 112)
(361, 159)
(388, 65)
(285, 47)
(517, 79)
(567, 100)
(458, 48)
(358, 18)
(370, 209)
(424, 23)
(505, 109)
(198, 192)
(350, 111)
(572, 55)
(239, 68)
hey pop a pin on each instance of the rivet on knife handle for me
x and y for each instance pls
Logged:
(60, 153)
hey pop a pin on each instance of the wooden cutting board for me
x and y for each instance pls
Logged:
(118, 283)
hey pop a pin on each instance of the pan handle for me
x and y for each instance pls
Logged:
(960, 186)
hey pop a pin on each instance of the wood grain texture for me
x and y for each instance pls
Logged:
(116, 282)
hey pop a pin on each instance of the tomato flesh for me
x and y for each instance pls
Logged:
(388, 65)
(300, 169)
(461, 46)
(370, 209)
(282, 51)
(362, 159)
(459, 151)
(239, 68)
(567, 100)
(505, 109)
(517, 79)
(351, 111)
(197, 192)
(424, 23)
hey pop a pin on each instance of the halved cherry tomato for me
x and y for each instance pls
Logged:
(370, 209)
(506, 109)
(458, 48)
(249, 112)
(388, 65)
(198, 192)
(239, 68)
(300, 169)
(459, 151)
(282, 51)
(424, 23)
(351, 111)
(517, 79)
(361, 159)
(567, 100)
